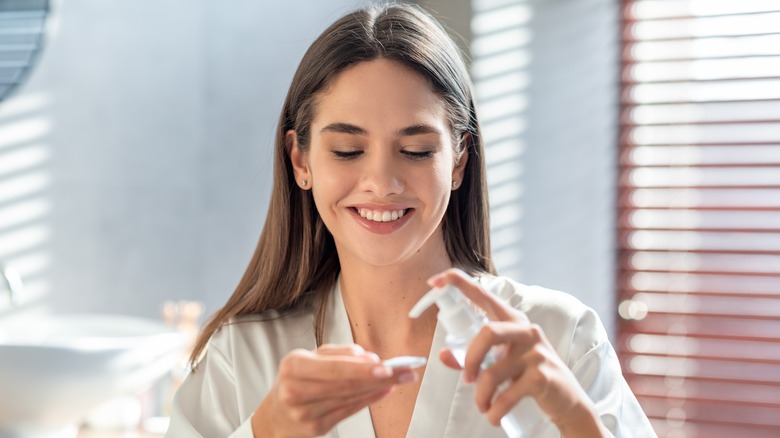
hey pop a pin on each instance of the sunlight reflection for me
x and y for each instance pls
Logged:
(706, 69)
(26, 130)
(697, 27)
(22, 105)
(762, 89)
(23, 212)
(704, 176)
(718, 134)
(663, 240)
(671, 261)
(23, 185)
(24, 207)
(698, 155)
(712, 198)
(500, 60)
(701, 112)
(490, 19)
(24, 239)
(16, 161)
(706, 47)
(650, 9)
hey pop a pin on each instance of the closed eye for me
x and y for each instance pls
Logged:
(414, 155)
(347, 155)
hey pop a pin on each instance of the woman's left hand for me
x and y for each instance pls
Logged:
(530, 364)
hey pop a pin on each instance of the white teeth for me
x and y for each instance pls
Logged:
(381, 216)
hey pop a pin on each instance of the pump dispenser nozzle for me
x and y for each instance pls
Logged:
(456, 314)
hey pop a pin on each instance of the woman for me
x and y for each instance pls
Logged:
(379, 194)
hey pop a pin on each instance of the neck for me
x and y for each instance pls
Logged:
(378, 301)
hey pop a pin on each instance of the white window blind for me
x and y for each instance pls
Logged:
(699, 206)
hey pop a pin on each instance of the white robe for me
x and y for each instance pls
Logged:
(242, 359)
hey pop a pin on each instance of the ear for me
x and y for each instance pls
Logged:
(299, 160)
(459, 170)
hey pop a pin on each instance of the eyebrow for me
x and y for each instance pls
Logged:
(348, 128)
(417, 130)
(344, 128)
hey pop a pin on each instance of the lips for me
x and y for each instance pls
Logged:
(381, 219)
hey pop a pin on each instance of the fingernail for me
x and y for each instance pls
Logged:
(374, 357)
(357, 349)
(407, 377)
(381, 372)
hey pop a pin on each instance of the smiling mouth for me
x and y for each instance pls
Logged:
(381, 216)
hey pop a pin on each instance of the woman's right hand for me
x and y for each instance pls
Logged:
(315, 390)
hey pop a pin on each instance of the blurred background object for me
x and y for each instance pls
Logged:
(55, 369)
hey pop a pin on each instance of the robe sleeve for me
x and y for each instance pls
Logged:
(206, 405)
(598, 372)
(580, 339)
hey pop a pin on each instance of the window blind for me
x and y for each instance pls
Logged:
(699, 215)
(22, 24)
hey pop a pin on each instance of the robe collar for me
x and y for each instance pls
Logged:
(438, 388)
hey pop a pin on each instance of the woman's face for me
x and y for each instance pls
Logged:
(381, 164)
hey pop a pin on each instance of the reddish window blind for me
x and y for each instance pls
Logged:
(699, 215)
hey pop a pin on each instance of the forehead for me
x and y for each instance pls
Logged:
(380, 94)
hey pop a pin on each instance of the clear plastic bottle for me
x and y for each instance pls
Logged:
(462, 322)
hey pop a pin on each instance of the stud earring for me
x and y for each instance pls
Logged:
(454, 184)
(304, 182)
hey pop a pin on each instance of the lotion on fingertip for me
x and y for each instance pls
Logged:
(405, 362)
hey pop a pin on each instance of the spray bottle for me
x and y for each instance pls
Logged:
(462, 322)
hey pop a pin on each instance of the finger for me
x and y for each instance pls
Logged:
(496, 309)
(297, 392)
(341, 349)
(320, 423)
(515, 340)
(510, 396)
(318, 407)
(481, 350)
(340, 412)
(347, 350)
(497, 378)
(448, 359)
(301, 392)
(302, 364)
(547, 379)
(346, 390)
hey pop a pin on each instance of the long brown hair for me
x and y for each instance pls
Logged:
(295, 263)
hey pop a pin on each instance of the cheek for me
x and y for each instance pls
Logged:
(442, 173)
(329, 185)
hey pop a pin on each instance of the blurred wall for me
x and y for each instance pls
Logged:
(156, 122)
(570, 176)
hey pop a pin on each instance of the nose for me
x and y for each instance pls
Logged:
(382, 176)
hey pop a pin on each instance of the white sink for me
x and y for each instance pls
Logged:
(55, 369)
